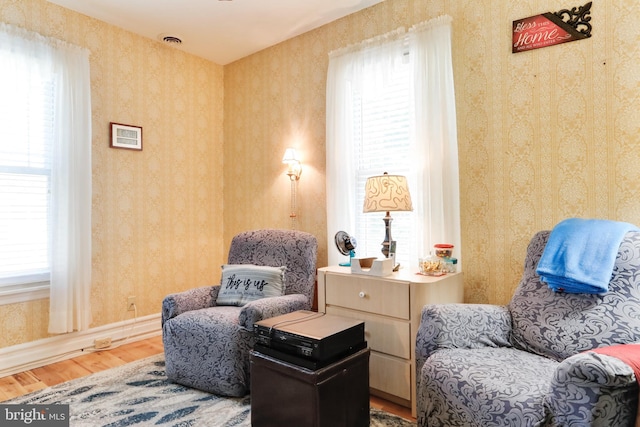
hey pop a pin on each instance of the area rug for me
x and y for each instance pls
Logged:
(139, 394)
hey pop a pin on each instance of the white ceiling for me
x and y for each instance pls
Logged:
(219, 30)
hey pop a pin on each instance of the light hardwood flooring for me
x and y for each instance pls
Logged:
(66, 370)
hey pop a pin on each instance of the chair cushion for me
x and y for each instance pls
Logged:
(208, 350)
(560, 325)
(484, 387)
(243, 283)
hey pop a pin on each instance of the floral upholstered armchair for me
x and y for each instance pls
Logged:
(533, 362)
(206, 343)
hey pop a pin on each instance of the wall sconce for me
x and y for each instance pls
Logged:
(387, 193)
(295, 170)
(295, 167)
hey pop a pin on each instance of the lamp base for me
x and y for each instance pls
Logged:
(387, 243)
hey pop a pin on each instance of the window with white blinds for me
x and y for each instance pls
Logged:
(26, 134)
(384, 135)
(391, 108)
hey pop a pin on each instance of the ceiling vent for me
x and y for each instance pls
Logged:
(170, 39)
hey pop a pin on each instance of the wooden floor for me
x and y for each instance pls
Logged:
(66, 370)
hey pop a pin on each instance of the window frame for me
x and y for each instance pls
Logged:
(436, 199)
(23, 292)
(34, 284)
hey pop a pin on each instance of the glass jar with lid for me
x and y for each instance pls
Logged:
(443, 250)
(450, 265)
(431, 266)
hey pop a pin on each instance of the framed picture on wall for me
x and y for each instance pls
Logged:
(126, 136)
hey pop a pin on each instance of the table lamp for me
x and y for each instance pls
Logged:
(387, 193)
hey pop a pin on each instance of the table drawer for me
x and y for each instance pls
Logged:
(390, 374)
(365, 293)
(383, 334)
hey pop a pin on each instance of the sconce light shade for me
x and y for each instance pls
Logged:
(387, 193)
(295, 168)
(290, 155)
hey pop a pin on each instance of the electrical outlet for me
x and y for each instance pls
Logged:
(102, 343)
(131, 304)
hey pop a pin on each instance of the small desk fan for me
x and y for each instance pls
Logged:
(346, 245)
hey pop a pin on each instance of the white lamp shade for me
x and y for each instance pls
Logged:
(290, 156)
(387, 193)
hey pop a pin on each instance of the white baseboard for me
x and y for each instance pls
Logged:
(23, 357)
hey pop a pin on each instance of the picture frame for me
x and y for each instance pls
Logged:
(125, 136)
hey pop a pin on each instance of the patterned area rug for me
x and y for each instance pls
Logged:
(139, 394)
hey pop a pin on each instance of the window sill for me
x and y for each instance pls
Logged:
(24, 292)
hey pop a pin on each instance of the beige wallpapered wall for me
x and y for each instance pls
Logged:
(157, 215)
(543, 135)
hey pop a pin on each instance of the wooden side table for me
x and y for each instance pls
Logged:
(284, 394)
(390, 307)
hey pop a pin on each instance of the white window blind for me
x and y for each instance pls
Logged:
(384, 135)
(26, 134)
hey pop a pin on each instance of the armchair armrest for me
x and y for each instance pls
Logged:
(192, 299)
(593, 389)
(266, 308)
(461, 326)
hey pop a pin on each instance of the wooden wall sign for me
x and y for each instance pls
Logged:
(551, 28)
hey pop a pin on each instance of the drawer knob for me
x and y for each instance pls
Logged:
(362, 294)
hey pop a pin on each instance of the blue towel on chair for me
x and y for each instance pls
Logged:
(580, 255)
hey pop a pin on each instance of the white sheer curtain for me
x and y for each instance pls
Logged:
(434, 164)
(345, 78)
(70, 206)
(436, 160)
